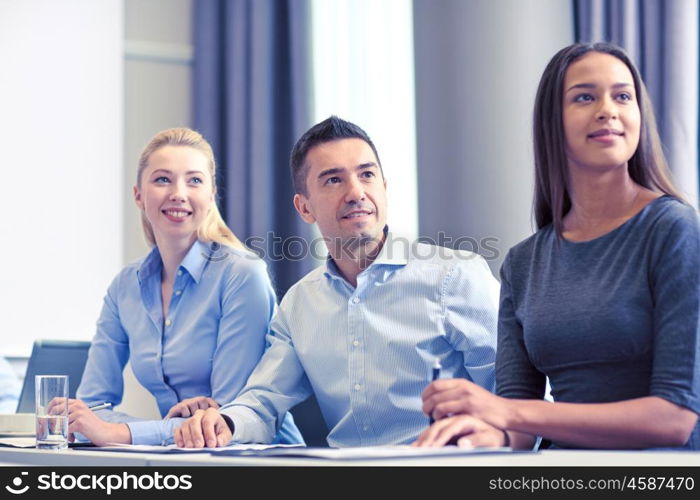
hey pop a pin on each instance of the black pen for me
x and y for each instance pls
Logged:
(436, 375)
(101, 405)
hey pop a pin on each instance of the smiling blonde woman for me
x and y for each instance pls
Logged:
(191, 316)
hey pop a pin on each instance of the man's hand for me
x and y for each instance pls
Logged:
(187, 407)
(464, 431)
(206, 428)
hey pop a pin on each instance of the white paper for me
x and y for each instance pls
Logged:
(143, 448)
(18, 442)
(362, 453)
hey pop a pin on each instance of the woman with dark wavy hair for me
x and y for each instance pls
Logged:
(604, 299)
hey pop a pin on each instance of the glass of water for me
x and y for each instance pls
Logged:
(51, 411)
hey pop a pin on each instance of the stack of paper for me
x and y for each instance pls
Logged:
(17, 424)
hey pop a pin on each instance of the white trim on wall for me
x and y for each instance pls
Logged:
(143, 50)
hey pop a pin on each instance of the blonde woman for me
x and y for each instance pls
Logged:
(191, 316)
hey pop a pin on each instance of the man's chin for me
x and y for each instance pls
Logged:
(362, 244)
(363, 238)
(354, 245)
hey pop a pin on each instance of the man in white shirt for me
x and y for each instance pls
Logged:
(363, 331)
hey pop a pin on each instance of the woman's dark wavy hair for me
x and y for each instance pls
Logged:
(647, 167)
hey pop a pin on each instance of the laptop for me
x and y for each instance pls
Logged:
(53, 357)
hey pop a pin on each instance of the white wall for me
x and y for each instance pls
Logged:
(157, 95)
(84, 85)
(363, 72)
(61, 138)
(157, 90)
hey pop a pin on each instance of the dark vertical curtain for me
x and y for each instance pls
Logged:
(662, 39)
(252, 100)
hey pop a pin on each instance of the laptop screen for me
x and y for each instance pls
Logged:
(53, 357)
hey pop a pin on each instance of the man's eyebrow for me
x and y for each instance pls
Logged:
(369, 164)
(592, 86)
(339, 170)
(330, 171)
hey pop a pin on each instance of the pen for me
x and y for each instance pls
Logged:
(436, 375)
(101, 405)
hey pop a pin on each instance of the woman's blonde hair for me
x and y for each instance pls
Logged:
(213, 227)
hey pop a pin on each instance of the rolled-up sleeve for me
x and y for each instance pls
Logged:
(470, 301)
(276, 385)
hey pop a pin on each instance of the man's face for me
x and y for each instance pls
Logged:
(346, 193)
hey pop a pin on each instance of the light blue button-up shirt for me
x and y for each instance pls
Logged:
(208, 345)
(9, 387)
(367, 352)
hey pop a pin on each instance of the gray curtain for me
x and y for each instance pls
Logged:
(477, 64)
(662, 39)
(252, 101)
(252, 88)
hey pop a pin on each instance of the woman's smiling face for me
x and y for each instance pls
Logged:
(600, 112)
(175, 192)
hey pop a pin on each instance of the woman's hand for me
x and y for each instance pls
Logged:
(444, 398)
(83, 420)
(187, 407)
(464, 431)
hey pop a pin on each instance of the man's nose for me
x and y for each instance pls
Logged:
(355, 191)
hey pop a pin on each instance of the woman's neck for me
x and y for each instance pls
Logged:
(598, 199)
(172, 252)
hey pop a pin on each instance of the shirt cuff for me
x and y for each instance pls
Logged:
(247, 425)
(154, 432)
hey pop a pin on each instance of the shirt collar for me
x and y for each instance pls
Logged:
(196, 259)
(152, 264)
(194, 262)
(393, 253)
(395, 250)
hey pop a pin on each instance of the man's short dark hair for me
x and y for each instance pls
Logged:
(330, 129)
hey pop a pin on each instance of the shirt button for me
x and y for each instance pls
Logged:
(358, 387)
(168, 322)
(178, 292)
(179, 273)
(355, 343)
(355, 300)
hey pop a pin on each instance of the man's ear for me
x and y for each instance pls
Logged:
(301, 203)
(137, 197)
